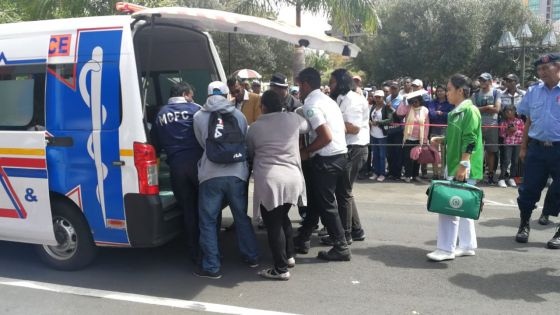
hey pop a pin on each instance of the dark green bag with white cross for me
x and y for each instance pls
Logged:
(455, 199)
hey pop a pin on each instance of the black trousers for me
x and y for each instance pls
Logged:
(325, 173)
(411, 167)
(184, 182)
(394, 154)
(357, 156)
(280, 235)
(306, 170)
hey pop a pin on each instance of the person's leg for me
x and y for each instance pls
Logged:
(288, 231)
(514, 157)
(375, 155)
(382, 156)
(355, 224)
(273, 219)
(467, 234)
(236, 193)
(408, 162)
(343, 193)
(448, 230)
(506, 160)
(210, 202)
(536, 175)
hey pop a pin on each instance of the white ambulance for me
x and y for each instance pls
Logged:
(77, 98)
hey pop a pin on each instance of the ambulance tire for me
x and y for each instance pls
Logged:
(76, 248)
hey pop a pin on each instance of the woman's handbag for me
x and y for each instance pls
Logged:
(425, 154)
(455, 199)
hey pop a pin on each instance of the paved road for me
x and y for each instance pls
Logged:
(388, 274)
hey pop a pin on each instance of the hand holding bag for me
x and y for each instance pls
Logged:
(455, 199)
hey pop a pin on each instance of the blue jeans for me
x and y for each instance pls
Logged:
(540, 163)
(378, 155)
(211, 197)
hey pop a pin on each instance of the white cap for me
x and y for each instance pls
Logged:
(218, 88)
(417, 82)
(379, 93)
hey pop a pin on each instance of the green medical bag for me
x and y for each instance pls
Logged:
(455, 199)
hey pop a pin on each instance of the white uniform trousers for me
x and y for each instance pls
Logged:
(449, 227)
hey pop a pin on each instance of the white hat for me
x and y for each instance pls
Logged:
(217, 88)
(379, 93)
(414, 94)
(417, 82)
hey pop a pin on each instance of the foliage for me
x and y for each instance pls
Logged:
(433, 39)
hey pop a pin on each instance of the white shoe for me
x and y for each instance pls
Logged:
(381, 178)
(373, 177)
(502, 183)
(291, 262)
(440, 255)
(459, 252)
(272, 274)
(407, 179)
(549, 182)
(511, 182)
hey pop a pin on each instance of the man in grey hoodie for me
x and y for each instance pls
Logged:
(220, 184)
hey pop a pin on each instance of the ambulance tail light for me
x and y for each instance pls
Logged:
(145, 161)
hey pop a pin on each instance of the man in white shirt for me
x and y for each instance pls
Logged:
(327, 149)
(355, 112)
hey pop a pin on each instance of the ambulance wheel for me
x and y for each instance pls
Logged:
(75, 248)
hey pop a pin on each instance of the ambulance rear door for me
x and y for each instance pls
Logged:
(25, 211)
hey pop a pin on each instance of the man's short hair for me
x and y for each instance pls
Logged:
(311, 76)
(179, 89)
(232, 80)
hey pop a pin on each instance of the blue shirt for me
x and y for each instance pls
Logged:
(542, 105)
(444, 107)
(173, 132)
(395, 102)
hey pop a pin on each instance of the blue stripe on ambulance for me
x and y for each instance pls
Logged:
(69, 114)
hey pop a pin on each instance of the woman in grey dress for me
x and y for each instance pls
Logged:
(272, 143)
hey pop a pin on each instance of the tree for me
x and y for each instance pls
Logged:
(434, 39)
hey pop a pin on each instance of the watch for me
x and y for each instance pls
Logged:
(466, 164)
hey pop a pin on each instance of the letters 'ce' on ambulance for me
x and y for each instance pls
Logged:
(78, 97)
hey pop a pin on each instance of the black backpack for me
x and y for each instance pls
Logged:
(226, 142)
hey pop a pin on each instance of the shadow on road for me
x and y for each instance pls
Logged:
(501, 243)
(164, 271)
(514, 224)
(526, 285)
(399, 256)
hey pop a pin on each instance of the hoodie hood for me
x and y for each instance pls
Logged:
(218, 103)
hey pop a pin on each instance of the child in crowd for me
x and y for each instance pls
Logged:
(511, 129)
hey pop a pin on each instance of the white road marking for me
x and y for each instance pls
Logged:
(500, 204)
(136, 298)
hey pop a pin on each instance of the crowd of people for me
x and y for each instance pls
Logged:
(305, 146)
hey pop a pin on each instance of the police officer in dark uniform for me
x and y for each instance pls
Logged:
(173, 132)
(540, 149)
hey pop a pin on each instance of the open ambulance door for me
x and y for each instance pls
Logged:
(206, 20)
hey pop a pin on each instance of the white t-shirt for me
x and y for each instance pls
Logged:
(355, 110)
(376, 131)
(319, 109)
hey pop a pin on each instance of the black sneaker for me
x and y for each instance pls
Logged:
(358, 235)
(323, 232)
(251, 262)
(554, 242)
(335, 255)
(207, 274)
(490, 180)
(327, 240)
(544, 220)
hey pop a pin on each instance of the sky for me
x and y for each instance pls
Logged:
(316, 23)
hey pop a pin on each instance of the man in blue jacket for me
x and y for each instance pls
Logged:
(173, 133)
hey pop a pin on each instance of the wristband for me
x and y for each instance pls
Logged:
(466, 164)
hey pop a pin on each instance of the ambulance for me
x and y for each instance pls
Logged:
(77, 100)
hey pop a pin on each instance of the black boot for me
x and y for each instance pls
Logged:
(340, 252)
(543, 220)
(554, 242)
(523, 232)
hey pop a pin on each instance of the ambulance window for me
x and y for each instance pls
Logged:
(64, 71)
(22, 102)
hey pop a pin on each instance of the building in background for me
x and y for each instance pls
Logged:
(548, 10)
